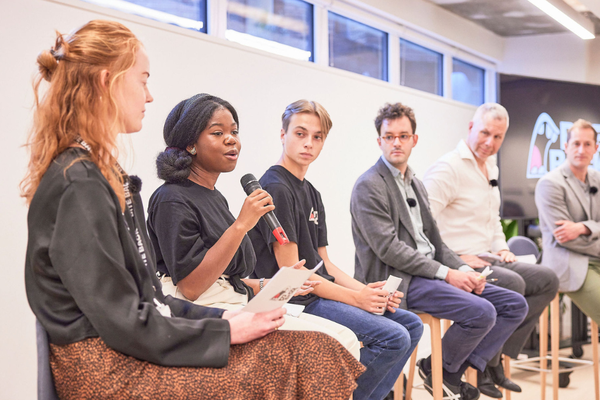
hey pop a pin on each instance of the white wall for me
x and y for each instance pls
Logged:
(184, 63)
(560, 56)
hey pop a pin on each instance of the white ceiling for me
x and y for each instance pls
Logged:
(515, 17)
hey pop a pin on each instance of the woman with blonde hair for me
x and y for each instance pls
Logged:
(90, 269)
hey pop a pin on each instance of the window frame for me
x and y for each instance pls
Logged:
(385, 49)
(484, 78)
(441, 84)
(394, 26)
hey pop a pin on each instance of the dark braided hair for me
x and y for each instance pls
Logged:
(182, 128)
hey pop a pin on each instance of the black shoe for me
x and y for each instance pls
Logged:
(462, 391)
(497, 375)
(423, 371)
(390, 395)
(486, 385)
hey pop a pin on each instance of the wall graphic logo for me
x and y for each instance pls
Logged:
(546, 150)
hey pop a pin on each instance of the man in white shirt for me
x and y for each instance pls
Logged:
(465, 201)
(395, 234)
(569, 207)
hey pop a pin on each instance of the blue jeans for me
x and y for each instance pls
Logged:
(482, 323)
(388, 341)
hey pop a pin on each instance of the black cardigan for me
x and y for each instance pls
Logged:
(85, 278)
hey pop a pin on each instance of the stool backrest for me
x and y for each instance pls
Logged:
(522, 246)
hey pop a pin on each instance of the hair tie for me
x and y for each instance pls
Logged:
(56, 56)
(172, 148)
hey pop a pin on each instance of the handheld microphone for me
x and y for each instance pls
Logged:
(250, 184)
(494, 183)
(411, 202)
(593, 190)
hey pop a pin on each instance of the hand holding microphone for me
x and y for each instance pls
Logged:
(255, 206)
(253, 189)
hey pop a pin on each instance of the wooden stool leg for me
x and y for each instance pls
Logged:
(555, 337)
(399, 387)
(595, 357)
(507, 374)
(543, 351)
(411, 374)
(436, 358)
(446, 323)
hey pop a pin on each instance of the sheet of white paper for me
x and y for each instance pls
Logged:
(280, 289)
(392, 284)
(486, 272)
(490, 255)
(528, 258)
(293, 310)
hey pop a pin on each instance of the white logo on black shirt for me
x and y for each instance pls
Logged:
(314, 216)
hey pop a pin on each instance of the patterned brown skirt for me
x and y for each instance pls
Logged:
(282, 365)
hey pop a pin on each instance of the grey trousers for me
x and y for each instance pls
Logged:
(537, 283)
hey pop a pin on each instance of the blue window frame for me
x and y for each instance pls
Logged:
(189, 14)
(421, 68)
(468, 82)
(283, 27)
(357, 47)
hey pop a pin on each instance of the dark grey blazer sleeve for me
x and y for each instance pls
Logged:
(373, 220)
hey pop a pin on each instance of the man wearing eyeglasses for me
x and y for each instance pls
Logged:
(395, 234)
(465, 201)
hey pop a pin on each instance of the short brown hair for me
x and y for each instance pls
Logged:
(395, 111)
(582, 124)
(310, 107)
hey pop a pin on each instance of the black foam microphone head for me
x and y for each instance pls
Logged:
(250, 183)
(593, 190)
(411, 202)
(494, 183)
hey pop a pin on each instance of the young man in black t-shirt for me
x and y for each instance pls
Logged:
(388, 340)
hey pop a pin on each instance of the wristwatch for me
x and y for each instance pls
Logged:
(261, 284)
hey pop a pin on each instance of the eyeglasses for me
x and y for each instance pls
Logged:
(390, 139)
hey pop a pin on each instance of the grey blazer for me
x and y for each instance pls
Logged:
(383, 233)
(558, 195)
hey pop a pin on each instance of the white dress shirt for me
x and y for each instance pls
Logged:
(464, 203)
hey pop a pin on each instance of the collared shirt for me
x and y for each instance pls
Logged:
(464, 203)
(424, 246)
(404, 183)
(585, 186)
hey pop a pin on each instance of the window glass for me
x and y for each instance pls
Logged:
(420, 68)
(189, 14)
(357, 47)
(283, 27)
(467, 83)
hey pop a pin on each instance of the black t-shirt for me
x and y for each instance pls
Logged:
(300, 211)
(184, 221)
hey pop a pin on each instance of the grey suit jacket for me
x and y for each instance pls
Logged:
(383, 232)
(558, 195)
